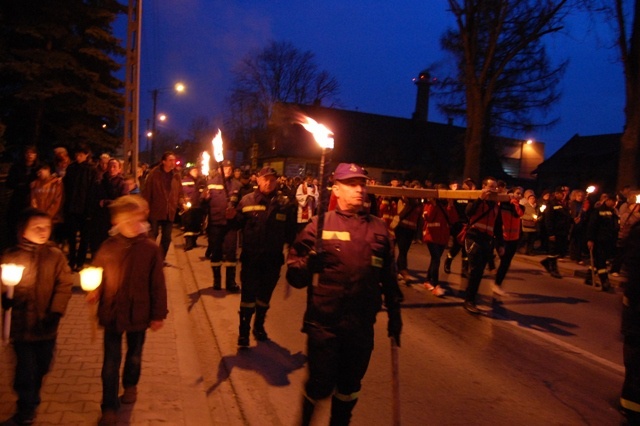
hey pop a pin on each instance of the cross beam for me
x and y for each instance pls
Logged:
(390, 191)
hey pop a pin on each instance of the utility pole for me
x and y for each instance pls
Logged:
(132, 87)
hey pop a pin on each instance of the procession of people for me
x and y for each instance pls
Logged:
(351, 258)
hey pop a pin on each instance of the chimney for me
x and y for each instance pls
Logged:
(422, 100)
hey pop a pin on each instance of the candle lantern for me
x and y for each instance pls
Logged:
(90, 278)
(11, 276)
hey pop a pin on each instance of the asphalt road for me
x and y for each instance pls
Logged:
(550, 354)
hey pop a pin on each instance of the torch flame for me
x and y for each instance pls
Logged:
(204, 164)
(591, 189)
(218, 152)
(322, 135)
(543, 208)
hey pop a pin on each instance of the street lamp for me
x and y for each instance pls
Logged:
(179, 88)
(522, 144)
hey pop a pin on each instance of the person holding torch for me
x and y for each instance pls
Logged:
(355, 269)
(38, 302)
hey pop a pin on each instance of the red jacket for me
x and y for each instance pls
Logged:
(510, 213)
(437, 221)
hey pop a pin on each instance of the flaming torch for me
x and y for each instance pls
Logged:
(324, 138)
(204, 164)
(218, 152)
(11, 276)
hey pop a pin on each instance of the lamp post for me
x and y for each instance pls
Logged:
(179, 88)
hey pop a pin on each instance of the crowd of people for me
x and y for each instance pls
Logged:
(349, 250)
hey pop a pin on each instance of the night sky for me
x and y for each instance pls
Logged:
(373, 48)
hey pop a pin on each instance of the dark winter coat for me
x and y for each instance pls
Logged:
(41, 297)
(79, 184)
(133, 291)
(163, 200)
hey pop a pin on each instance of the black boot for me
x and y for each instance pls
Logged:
(258, 324)
(604, 280)
(341, 411)
(307, 410)
(189, 242)
(245, 327)
(464, 272)
(589, 279)
(230, 283)
(555, 273)
(217, 277)
(546, 262)
(447, 264)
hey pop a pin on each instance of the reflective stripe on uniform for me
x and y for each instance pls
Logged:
(409, 222)
(215, 186)
(216, 264)
(188, 183)
(336, 235)
(247, 305)
(483, 227)
(262, 304)
(256, 208)
(347, 398)
(630, 405)
(229, 264)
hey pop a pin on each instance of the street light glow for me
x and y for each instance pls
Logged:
(162, 117)
(179, 87)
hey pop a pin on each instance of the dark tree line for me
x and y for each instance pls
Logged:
(58, 61)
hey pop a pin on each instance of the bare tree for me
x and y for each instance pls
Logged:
(278, 73)
(503, 69)
(630, 56)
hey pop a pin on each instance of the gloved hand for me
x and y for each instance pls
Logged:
(394, 327)
(316, 262)
(6, 302)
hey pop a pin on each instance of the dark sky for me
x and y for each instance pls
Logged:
(374, 48)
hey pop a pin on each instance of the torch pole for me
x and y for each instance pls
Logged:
(395, 382)
(6, 324)
(322, 208)
(593, 270)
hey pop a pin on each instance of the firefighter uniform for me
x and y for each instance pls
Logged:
(510, 214)
(356, 268)
(484, 228)
(557, 221)
(218, 227)
(268, 222)
(630, 397)
(602, 233)
(461, 208)
(193, 188)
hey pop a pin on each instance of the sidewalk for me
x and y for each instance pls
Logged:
(170, 389)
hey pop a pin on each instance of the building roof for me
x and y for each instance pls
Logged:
(583, 160)
(371, 139)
